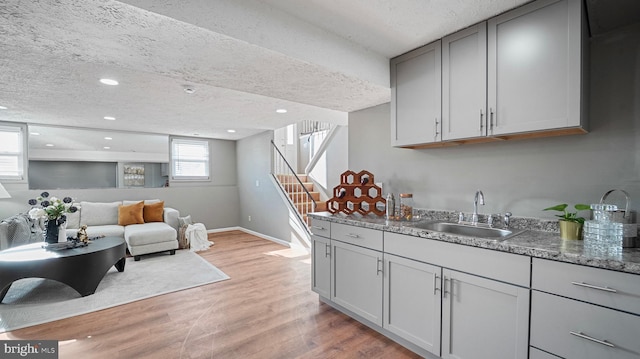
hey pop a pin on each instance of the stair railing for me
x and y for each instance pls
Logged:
(292, 187)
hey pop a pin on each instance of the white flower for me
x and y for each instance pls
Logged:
(37, 213)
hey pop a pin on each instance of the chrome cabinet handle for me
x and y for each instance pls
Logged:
(586, 285)
(481, 124)
(444, 287)
(327, 250)
(435, 283)
(491, 120)
(584, 336)
(378, 267)
(437, 133)
(352, 235)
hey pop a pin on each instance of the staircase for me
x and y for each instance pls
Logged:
(302, 194)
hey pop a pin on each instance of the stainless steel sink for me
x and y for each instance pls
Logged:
(467, 230)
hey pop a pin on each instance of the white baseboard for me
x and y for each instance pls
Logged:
(258, 234)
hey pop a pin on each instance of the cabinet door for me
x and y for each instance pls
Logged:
(482, 318)
(416, 96)
(534, 67)
(412, 301)
(464, 83)
(357, 280)
(321, 266)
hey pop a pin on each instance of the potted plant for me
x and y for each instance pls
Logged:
(570, 224)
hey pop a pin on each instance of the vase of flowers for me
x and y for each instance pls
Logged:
(53, 211)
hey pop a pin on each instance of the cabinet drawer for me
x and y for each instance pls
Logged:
(506, 267)
(573, 329)
(600, 286)
(363, 237)
(321, 228)
(539, 354)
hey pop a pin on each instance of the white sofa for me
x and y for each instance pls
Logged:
(101, 219)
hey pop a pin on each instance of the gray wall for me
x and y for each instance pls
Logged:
(262, 201)
(523, 176)
(214, 203)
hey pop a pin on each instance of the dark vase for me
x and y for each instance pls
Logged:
(51, 233)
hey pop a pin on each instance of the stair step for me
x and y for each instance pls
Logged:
(296, 187)
(291, 178)
(307, 207)
(302, 196)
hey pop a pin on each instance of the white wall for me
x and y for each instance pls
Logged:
(523, 176)
(333, 162)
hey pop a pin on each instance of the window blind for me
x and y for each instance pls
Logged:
(11, 153)
(189, 159)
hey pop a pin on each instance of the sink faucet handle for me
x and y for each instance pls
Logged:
(507, 219)
(460, 217)
(492, 218)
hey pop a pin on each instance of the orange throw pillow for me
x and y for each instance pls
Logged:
(153, 212)
(131, 214)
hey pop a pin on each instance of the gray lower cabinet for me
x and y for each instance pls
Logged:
(539, 354)
(356, 280)
(412, 301)
(584, 312)
(573, 329)
(321, 266)
(483, 318)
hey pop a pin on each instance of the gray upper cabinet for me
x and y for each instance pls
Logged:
(464, 83)
(521, 74)
(535, 68)
(416, 96)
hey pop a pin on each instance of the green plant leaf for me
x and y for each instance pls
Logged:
(560, 207)
(582, 207)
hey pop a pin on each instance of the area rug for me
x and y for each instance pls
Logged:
(32, 301)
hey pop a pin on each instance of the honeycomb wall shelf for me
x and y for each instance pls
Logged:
(357, 193)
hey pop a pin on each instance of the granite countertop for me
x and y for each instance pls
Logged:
(539, 239)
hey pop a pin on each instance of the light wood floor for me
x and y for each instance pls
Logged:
(266, 310)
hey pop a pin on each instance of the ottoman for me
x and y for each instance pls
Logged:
(150, 238)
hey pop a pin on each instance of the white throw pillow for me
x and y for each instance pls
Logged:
(98, 213)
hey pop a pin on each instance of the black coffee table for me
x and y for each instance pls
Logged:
(81, 268)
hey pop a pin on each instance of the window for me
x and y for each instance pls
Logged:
(11, 153)
(189, 159)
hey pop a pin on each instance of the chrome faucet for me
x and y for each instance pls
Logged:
(479, 196)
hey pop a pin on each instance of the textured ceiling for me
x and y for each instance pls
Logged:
(319, 59)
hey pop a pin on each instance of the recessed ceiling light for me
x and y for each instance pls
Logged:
(34, 133)
(231, 131)
(3, 108)
(189, 90)
(109, 118)
(108, 138)
(281, 110)
(49, 145)
(109, 82)
(106, 147)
